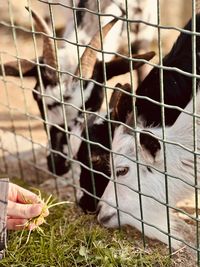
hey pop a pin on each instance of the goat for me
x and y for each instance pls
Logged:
(179, 149)
(175, 84)
(70, 89)
(177, 92)
(141, 34)
(98, 133)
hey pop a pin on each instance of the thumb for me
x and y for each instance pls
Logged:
(25, 211)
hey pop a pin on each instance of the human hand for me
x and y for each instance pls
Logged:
(18, 211)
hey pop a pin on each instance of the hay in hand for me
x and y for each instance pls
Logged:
(40, 219)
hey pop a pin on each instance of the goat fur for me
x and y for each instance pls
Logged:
(180, 170)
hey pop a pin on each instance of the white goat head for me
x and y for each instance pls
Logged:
(139, 180)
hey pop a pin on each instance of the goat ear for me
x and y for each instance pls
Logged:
(121, 103)
(28, 68)
(150, 145)
(121, 65)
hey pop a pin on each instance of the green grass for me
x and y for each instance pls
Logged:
(74, 239)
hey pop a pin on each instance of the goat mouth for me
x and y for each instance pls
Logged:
(105, 220)
(88, 204)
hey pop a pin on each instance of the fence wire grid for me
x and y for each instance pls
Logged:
(34, 142)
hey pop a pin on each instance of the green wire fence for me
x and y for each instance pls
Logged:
(25, 166)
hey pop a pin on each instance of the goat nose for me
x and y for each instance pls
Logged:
(99, 206)
(104, 220)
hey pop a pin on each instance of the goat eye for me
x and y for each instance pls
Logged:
(122, 171)
(96, 159)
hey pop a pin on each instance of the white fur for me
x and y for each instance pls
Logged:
(75, 138)
(117, 36)
(100, 118)
(180, 163)
(73, 90)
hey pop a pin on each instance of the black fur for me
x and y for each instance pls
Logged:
(97, 133)
(57, 163)
(177, 87)
(80, 13)
(150, 143)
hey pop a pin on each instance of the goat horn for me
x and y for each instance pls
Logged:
(49, 57)
(88, 58)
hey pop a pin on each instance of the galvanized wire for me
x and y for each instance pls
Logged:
(195, 144)
(61, 95)
(163, 128)
(135, 124)
(108, 115)
(65, 130)
(83, 100)
(22, 87)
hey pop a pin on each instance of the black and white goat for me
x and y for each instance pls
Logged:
(140, 13)
(180, 160)
(93, 182)
(66, 89)
(177, 91)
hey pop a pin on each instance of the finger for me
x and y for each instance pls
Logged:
(20, 224)
(25, 211)
(45, 213)
(16, 224)
(22, 195)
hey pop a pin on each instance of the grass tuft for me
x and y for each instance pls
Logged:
(40, 219)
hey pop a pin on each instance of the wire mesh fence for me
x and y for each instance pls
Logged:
(68, 122)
